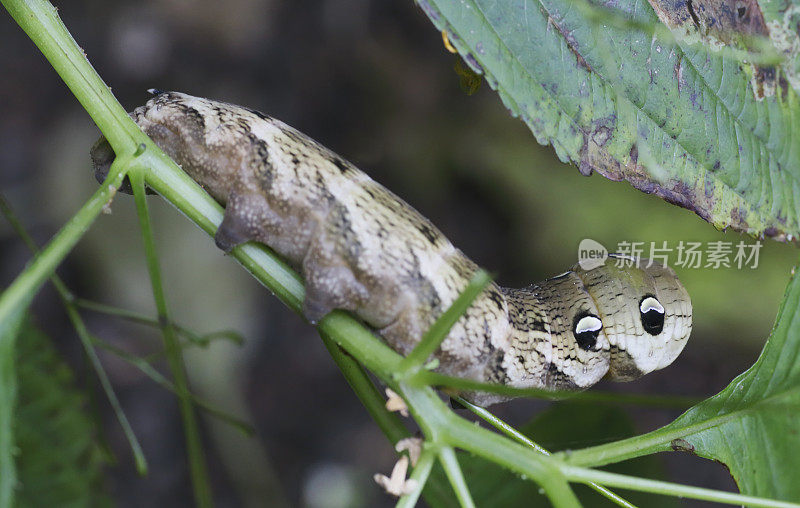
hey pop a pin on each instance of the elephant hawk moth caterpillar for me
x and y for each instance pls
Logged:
(361, 248)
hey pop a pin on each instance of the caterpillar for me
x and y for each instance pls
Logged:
(361, 248)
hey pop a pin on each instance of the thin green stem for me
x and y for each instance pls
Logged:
(583, 475)
(201, 484)
(611, 495)
(83, 334)
(137, 317)
(149, 371)
(657, 441)
(420, 474)
(366, 392)
(443, 427)
(17, 296)
(430, 378)
(453, 471)
(9, 329)
(105, 383)
(519, 437)
(436, 493)
(502, 426)
(441, 327)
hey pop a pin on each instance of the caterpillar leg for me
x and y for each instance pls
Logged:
(243, 219)
(330, 282)
(331, 288)
(405, 331)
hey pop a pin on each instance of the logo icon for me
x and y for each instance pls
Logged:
(591, 254)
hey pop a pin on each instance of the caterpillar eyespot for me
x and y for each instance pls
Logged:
(587, 330)
(361, 248)
(652, 313)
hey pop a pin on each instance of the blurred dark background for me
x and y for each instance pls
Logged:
(371, 80)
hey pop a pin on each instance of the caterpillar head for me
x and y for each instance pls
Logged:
(643, 312)
(194, 132)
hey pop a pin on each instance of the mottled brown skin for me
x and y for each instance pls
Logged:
(361, 248)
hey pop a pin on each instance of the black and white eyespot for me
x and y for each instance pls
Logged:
(587, 328)
(652, 314)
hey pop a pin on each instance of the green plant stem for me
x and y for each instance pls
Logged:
(582, 475)
(436, 493)
(18, 295)
(68, 300)
(521, 438)
(420, 474)
(502, 426)
(201, 484)
(137, 317)
(9, 329)
(450, 464)
(657, 441)
(366, 392)
(454, 431)
(430, 378)
(149, 371)
(15, 300)
(105, 383)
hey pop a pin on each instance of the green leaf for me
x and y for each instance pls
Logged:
(751, 425)
(59, 462)
(615, 92)
(563, 425)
